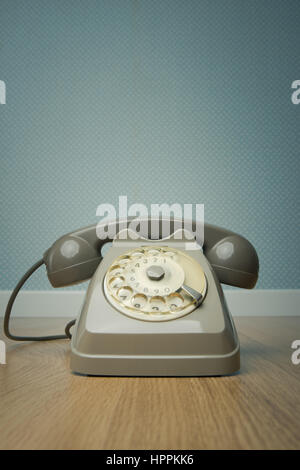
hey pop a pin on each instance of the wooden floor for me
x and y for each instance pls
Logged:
(44, 406)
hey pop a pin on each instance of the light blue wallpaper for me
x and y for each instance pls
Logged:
(160, 100)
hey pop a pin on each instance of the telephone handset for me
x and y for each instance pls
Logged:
(75, 257)
(127, 323)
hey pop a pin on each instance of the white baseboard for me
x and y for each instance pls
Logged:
(67, 303)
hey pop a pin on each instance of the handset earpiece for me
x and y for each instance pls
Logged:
(233, 257)
(73, 258)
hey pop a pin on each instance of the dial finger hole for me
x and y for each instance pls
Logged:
(116, 282)
(175, 301)
(124, 260)
(169, 253)
(153, 252)
(124, 293)
(139, 301)
(137, 254)
(116, 270)
(157, 304)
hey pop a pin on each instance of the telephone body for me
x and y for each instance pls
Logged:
(154, 307)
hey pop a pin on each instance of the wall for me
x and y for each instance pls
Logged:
(162, 101)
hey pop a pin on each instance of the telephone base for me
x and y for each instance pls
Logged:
(159, 366)
(108, 340)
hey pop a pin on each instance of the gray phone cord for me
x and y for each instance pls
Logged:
(10, 305)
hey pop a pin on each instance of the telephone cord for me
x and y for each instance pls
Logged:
(11, 301)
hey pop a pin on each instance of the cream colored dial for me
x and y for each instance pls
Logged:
(155, 283)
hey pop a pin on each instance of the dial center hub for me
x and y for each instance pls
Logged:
(155, 273)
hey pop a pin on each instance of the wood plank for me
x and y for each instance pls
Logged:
(44, 406)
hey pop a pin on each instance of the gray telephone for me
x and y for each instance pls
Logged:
(153, 307)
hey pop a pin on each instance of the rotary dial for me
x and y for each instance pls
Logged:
(155, 284)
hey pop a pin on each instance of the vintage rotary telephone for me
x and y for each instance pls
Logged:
(153, 307)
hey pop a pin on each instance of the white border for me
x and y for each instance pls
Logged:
(241, 302)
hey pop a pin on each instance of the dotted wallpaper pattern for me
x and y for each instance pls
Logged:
(162, 101)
